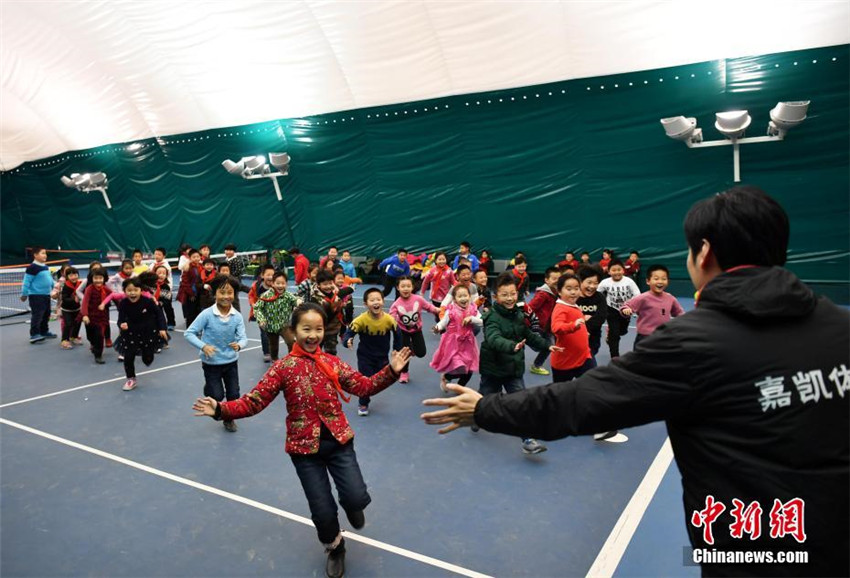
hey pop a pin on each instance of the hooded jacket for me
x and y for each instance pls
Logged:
(754, 387)
(543, 303)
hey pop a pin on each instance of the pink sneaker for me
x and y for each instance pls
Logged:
(404, 378)
(130, 385)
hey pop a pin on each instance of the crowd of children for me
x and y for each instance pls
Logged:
(564, 319)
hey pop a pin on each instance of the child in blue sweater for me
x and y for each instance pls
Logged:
(393, 268)
(36, 287)
(219, 332)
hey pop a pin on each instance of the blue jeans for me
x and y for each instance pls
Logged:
(40, 310)
(341, 462)
(220, 379)
(491, 384)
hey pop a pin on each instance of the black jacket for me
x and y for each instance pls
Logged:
(597, 307)
(707, 374)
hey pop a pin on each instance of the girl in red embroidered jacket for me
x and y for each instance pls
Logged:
(318, 436)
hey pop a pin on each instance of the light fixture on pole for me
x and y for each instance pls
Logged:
(733, 125)
(88, 182)
(256, 167)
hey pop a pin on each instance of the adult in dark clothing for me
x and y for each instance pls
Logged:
(753, 385)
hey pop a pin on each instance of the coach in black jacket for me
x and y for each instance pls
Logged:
(754, 385)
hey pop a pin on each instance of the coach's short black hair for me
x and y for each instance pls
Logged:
(744, 226)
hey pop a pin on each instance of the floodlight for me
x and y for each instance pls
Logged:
(255, 167)
(82, 181)
(733, 124)
(787, 115)
(88, 182)
(280, 161)
(233, 168)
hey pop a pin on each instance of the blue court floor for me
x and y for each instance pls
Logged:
(95, 481)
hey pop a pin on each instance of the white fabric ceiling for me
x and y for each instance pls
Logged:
(83, 74)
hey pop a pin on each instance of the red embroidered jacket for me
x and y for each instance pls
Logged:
(311, 399)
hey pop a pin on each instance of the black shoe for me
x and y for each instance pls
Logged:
(356, 518)
(99, 360)
(335, 567)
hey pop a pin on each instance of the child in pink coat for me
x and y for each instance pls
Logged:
(457, 355)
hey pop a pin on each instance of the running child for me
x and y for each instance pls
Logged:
(656, 306)
(138, 266)
(521, 276)
(219, 332)
(69, 306)
(484, 301)
(319, 438)
(375, 328)
(502, 356)
(330, 298)
(273, 311)
(570, 328)
(96, 320)
(224, 269)
(142, 325)
(394, 267)
(407, 311)
(308, 286)
(207, 273)
(188, 292)
(592, 304)
(605, 261)
(263, 283)
(162, 294)
(116, 282)
(439, 279)
(457, 355)
(617, 290)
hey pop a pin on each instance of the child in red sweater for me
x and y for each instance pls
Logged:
(319, 439)
(96, 321)
(568, 327)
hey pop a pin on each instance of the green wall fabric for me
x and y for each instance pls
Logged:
(579, 165)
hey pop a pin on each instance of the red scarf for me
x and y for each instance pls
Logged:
(159, 285)
(101, 290)
(205, 279)
(73, 287)
(324, 367)
(435, 284)
(521, 276)
(275, 297)
(332, 301)
(123, 276)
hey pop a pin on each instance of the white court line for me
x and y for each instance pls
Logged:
(248, 502)
(615, 546)
(114, 379)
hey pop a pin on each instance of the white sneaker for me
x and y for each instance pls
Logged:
(130, 384)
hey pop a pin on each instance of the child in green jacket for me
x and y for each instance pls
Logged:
(502, 361)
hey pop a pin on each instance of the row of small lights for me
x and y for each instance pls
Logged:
(162, 142)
